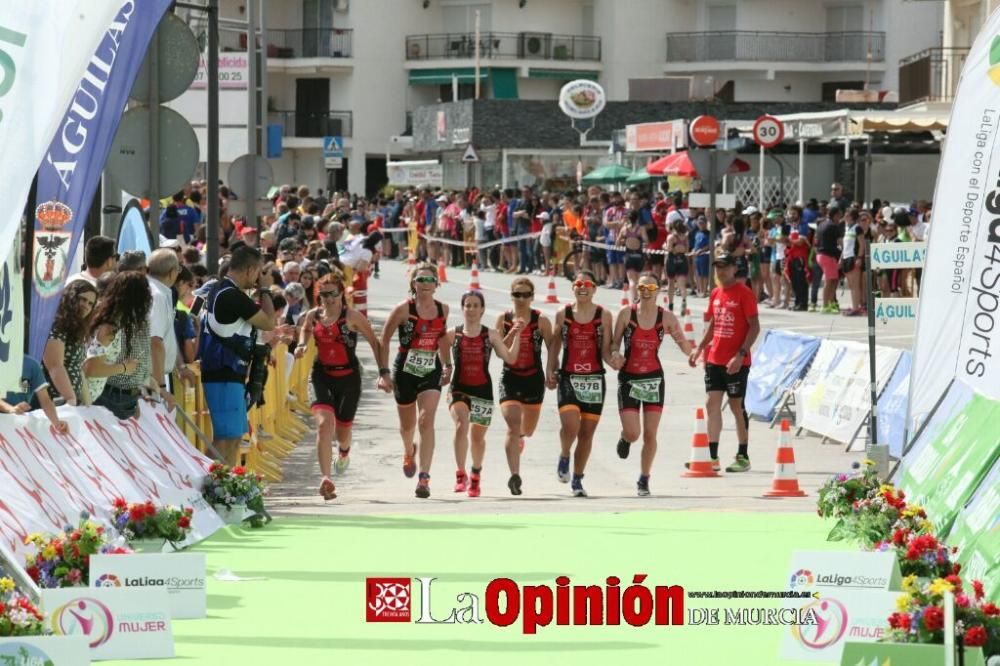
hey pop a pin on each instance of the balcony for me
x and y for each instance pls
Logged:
(797, 50)
(504, 46)
(308, 43)
(931, 75)
(311, 125)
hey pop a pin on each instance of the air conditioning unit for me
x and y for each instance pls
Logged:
(534, 45)
(341, 5)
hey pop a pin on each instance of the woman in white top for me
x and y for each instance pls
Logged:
(121, 311)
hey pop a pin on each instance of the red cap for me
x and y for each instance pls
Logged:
(247, 230)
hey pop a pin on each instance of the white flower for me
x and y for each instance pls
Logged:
(19, 617)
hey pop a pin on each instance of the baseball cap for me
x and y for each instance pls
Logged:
(886, 212)
(247, 230)
(442, 198)
(750, 210)
(775, 212)
(544, 215)
(724, 259)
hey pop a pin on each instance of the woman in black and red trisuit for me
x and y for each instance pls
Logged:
(422, 367)
(336, 374)
(585, 332)
(471, 396)
(642, 327)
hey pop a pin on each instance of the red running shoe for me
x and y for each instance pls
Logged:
(327, 489)
(410, 464)
(460, 481)
(474, 485)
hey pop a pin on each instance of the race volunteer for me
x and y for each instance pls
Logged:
(642, 327)
(522, 383)
(585, 333)
(418, 372)
(226, 346)
(731, 331)
(336, 373)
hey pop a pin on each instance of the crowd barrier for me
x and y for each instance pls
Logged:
(778, 362)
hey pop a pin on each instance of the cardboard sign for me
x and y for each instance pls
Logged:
(183, 574)
(837, 617)
(118, 623)
(830, 572)
(54, 650)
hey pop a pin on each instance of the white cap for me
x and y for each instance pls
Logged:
(443, 197)
(169, 242)
(750, 210)
(887, 213)
(543, 215)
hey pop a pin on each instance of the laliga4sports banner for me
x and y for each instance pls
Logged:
(958, 321)
(68, 176)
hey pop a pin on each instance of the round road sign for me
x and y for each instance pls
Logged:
(704, 130)
(768, 131)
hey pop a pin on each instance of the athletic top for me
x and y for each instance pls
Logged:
(632, 233)
(417, 333)
(851, 241)
(529, 353)
(643, 344)
(471, 356)
(582, 344)
(680, 244)
(335, 345)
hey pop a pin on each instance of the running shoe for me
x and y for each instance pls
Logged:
(514, 483)
(578, 490)
(623, 447)
(461, 481)
(830, 309)
(327, 489)
(474, 485)
(424, 486)
(740, 464)
(813, 307)
(410, 464)
(642, 487)
(563, 470)
(341, 464)
(716, 465)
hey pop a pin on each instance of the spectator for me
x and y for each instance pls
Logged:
(65, 349)
(184, 323)
(132, 260)
(295, 296)
(33, 387)
(829, 238)
(164, 359)
(290, 272)
(99, 258)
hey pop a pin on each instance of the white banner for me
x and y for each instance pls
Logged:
(834, 396)
(958, 332)
(48, 479)
(182, 574)
(11, 323)
(415, 174)
(898, 255)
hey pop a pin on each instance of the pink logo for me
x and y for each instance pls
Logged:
(84, 617)
(831, 624)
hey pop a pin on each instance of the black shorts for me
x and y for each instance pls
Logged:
(340, 395)
(465, 395)
(626, 399)
(635, 261)
(569, 400)
(677, 264)
(407, 387)
(849, 264)
(525, 389)
(656, 259)
(716, 379)
(742, 267)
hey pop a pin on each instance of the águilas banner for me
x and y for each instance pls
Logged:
(68, 176)
(958, 321)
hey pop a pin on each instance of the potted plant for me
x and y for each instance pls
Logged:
(235, 491)
(63, 559)
(18, 616)
(146, 527)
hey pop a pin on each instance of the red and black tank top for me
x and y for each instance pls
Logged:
(582, 344)
(471, 355)
(642, 345)
(529, 353)
(423, 334)
(335, 345)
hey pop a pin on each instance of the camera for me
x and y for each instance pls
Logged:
(257, 377)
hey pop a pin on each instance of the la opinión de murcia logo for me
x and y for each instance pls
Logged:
(388, 600)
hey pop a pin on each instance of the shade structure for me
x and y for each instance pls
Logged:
(640, 176)
(679, 164)
(609, 173)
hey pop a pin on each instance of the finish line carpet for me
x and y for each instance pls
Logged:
(306, 598)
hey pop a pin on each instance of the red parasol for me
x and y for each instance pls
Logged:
(679, 164)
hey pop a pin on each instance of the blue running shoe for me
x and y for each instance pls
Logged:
(563, 470)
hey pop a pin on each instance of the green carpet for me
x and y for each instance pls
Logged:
(311, 607)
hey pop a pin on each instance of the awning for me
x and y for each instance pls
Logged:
(443, 76)
(561, 74)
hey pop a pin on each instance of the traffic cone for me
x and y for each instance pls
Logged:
(689, 329)
(701, 462)
(442, 276)
(474, 280)
(625, 296)
(785, 483)
(551, 296)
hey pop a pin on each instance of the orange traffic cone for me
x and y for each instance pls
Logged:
(785, 483)
(474, 280)
(701, 462)
(442, 276)
(689, 329)
(551, 296)
(625, 296)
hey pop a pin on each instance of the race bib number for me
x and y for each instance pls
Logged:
(481, 412)
(420, 362)
(587, 388)
(645, 390)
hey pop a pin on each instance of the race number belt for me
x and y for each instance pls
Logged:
(420, 362)
(588, 388)
(481, 411)
(645, 390)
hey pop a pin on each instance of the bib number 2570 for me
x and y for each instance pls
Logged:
(420, 362)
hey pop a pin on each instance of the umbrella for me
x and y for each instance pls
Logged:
(640, 176)
(609, 173)
(679, 164)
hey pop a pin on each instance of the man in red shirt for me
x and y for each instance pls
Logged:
(732, 329)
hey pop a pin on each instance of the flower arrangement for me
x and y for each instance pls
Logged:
(919, 616)
(18, 616)
(233, 486)
(63, 559)
(148, 521)
(921, 555)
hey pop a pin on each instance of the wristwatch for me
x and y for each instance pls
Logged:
(743, 352)
(384, 371)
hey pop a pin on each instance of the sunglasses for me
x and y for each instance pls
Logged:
(521, 294)
(330, 294)
(583, 284)
(425, 279)
(647, 287)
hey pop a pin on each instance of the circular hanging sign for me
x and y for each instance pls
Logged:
(768, 131)
(582, 99)
(704, 130)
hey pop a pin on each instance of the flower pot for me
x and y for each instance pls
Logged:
(147, 545)
(234, 515)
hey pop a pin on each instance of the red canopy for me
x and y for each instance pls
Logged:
(679, 164)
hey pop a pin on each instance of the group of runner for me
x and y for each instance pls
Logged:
(582, 341)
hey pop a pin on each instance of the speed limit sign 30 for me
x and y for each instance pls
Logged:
(768, 131)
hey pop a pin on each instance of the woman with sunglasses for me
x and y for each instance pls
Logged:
(418, 373)
(642, 327)
(336, 373)
(471, 397)
(585, 334)
(522, 383)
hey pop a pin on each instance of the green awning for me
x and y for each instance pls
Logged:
(609, 173)
(640, 176)
(561, 74)
(442, 76)
(504, 82)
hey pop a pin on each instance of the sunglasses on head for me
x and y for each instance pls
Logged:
(521, 294)
(647, 287)
(425, 279)
(583, 284)
(332, 293)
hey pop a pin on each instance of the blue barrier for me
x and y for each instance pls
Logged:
(892, 407)
(780, 359)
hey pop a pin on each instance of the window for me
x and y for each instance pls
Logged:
(845, 18)
(721, 17)
(587, 23)
(317, 13)
(462, 18)
(465, 91)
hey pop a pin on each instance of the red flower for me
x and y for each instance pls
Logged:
(120, 503)
(975, 636)
(934, 618)
(33, 572)
(239, 470)
(991, 609)
(189, 512)
(956, 568)
(977, 587)
(2, 608)
(900, 621)
(183, 522)
(956, 581)
(75, 536)
(136, 513)
(899, 537)
(150, 509)
(214, 466)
